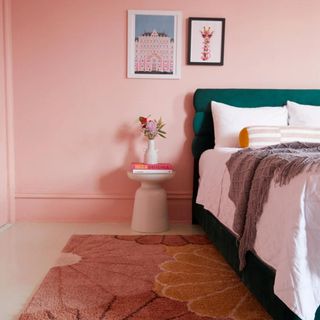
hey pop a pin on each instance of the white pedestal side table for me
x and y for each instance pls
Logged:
(150, 210)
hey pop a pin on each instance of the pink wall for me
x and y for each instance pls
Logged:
(74, 108)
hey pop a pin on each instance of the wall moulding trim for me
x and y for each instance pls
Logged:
(171, 196)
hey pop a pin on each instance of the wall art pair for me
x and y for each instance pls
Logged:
(154, 43)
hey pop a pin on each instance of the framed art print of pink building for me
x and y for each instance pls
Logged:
(154, 44)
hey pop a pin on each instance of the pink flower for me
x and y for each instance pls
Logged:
(151, 126)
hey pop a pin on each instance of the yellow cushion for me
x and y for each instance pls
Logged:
(261, 136)
(244, 138)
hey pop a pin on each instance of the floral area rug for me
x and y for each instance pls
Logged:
(142, 277)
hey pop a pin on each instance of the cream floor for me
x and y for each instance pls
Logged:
(28, 250)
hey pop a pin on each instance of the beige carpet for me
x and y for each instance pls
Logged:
(142, 277)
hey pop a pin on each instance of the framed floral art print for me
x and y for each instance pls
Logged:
(206, 41)
(154, 44)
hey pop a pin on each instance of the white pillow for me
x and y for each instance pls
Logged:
(303, 115)
(228, 121)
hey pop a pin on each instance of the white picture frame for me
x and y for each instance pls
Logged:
(154, 44)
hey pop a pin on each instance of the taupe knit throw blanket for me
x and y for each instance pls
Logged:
(251, 172)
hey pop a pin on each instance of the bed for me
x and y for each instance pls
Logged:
(257, 275)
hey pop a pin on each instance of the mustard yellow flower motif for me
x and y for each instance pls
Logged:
(199, 276)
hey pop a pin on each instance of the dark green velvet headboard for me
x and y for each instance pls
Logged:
(202, 124)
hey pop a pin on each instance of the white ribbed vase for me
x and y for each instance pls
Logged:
(151, 153)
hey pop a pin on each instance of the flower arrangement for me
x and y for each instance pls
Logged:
(151, 127)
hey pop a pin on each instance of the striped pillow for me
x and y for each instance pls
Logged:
(260, 136)
(302, 134)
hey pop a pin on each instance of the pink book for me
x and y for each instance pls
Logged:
(145, 166)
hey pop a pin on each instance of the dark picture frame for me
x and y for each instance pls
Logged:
(206, 41)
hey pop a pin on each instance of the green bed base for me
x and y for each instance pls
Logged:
(257, 276)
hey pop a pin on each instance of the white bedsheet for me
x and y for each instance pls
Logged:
(288, 233)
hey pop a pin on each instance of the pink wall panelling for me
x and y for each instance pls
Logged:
(86, 208)
(75, 110)
(6, 137)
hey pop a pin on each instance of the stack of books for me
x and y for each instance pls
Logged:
(139, 167)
